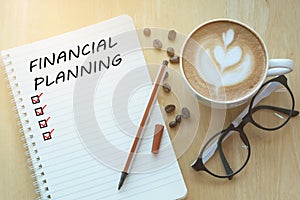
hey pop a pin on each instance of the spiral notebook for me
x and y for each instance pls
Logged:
(80, 97)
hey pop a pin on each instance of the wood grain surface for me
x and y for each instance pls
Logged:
(273, 171)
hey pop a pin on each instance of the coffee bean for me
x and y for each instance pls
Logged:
(147, 32)
(174, 60)
(178, 118)
(166, 87)
(166, 75)
(165, 62)
(170, 51)
(172, 124)
(157, 44)
(172, 35)
(185, 113)
(170, 108)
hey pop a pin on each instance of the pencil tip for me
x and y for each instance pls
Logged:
(122, 179)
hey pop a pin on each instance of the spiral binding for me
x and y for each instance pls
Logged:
(31, 152)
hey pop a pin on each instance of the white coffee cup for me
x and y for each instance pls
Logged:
(272, 67)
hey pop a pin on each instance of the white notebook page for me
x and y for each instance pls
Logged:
(93, 119)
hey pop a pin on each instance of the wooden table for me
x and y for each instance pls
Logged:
(274, 168)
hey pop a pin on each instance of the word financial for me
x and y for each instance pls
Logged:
(92, 66)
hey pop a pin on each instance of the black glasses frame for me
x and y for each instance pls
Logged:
(199, 165)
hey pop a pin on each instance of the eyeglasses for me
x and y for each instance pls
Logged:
(227, 152)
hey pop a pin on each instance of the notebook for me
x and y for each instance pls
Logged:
(80, 97)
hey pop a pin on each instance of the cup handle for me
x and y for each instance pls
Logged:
(280, 66)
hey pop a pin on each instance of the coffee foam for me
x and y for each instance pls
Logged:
(223, 60)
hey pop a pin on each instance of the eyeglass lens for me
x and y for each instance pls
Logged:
(268, 114)
(231, 154)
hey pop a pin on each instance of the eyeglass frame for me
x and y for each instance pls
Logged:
(199, 165)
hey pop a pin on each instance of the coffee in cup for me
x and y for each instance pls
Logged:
(225, 62)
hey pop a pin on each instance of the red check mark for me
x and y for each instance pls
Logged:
(39, 111)
(36, 99)
(43, 123)
(47, 135)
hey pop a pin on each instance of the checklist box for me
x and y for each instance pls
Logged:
(47, 136)
(39, 111)
(43, 123)
(35, 99)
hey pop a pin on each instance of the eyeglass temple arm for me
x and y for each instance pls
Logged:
(225, 163)
(278, 109)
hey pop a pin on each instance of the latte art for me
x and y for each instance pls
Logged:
(232, 64)
(224, 60)
(227, 57)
